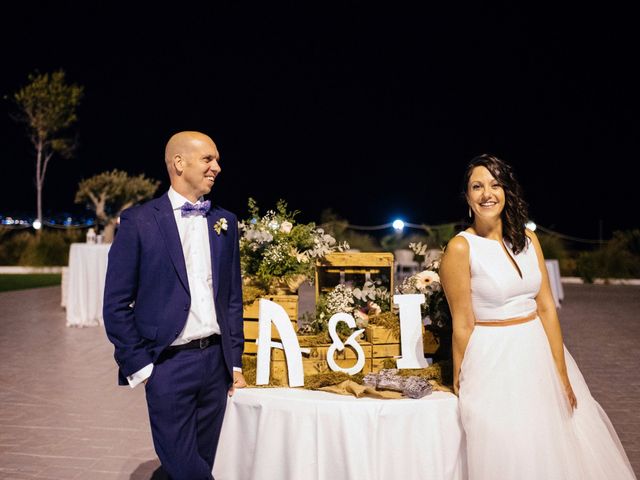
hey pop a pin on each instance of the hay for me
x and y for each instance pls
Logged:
(314, 340)
(388, 320)
(251, 293)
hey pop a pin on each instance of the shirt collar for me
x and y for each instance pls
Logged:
(178, 200)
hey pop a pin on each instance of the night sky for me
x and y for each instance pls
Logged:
(371, 111)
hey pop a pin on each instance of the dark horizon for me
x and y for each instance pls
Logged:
(371, 112)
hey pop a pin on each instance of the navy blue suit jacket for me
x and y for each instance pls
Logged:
(146, 297)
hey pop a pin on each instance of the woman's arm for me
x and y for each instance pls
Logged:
(455, 275)
(549, 317)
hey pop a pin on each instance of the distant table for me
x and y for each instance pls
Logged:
(85, 289)
(292, 434)
(553, 268)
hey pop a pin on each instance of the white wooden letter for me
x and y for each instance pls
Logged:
(338, 345)
(411, 345)
(272, 312)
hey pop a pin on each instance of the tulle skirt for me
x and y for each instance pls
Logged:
(517, 419)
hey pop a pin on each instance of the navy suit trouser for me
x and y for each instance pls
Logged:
(187, 397)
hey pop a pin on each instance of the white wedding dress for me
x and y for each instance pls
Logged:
(517, 419)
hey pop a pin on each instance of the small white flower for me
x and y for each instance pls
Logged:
(286, 227)
(221, 225)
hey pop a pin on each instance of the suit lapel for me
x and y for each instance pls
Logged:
(215, 244)
(169, 230)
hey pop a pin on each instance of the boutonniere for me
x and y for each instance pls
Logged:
(221, 225)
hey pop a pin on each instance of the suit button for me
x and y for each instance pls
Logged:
(177, 333)
(186, 307)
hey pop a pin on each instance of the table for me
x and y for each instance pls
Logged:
(293, 434)
(553, 268)
(85, 289)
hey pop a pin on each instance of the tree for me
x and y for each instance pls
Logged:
(109, 193)
(48, 107)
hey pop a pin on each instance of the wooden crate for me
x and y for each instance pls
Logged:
(319, 353)
(250, 314)
(279, 373)
(288, 302)
(378, 363)
(430, 343)
(355, 268)
(385, 350)
(380, 335)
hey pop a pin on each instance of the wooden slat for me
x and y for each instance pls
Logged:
(320, 353)
(359, 259)
(376, 335)
(385, 350)
(288, 302)
(250, 347)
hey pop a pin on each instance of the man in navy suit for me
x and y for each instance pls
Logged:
(173, 308)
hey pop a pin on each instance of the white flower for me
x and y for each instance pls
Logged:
(273, 225)
(374, 308)
(221, 225)
(286, 227)
(426, 278)
(301, 257)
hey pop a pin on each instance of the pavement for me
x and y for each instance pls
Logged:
(62, 415)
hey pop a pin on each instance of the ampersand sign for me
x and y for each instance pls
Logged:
(338, 345)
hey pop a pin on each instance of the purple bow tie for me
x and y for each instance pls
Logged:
(200, 208)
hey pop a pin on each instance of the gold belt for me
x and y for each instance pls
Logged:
(508, 321)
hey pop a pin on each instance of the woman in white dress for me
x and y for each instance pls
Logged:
(525, 407)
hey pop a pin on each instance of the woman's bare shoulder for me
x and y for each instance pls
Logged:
(458, 245)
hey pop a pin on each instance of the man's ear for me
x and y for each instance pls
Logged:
(178, 163)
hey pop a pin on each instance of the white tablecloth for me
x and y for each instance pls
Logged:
(295, 434)
(553, 268)
(86, 276)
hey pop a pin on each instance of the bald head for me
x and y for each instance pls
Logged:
(183, 143)
(192, 163)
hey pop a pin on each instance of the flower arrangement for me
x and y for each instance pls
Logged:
(364, 304)
(277, 254)
(435, 310)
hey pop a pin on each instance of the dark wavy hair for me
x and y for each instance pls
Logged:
(515, 214)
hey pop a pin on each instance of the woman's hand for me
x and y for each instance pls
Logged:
(568, 390)
(456, 387)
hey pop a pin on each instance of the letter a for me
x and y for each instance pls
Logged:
(272, 312)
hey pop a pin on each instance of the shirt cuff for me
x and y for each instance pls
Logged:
(140, 376)
(237, 369)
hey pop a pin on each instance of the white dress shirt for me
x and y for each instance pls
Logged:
(201, 321)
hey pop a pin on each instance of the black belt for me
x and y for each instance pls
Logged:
(200, 343)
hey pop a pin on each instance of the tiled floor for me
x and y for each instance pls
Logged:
(62, 416)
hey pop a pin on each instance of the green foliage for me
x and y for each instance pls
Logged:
(109, 193)
(399, 240)
(48, 248)
(48, 107)
(25, 281)
(618, 258)
(278, 253)
(337, 227)
(12, 245)
(552, 246)
(435, 237)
